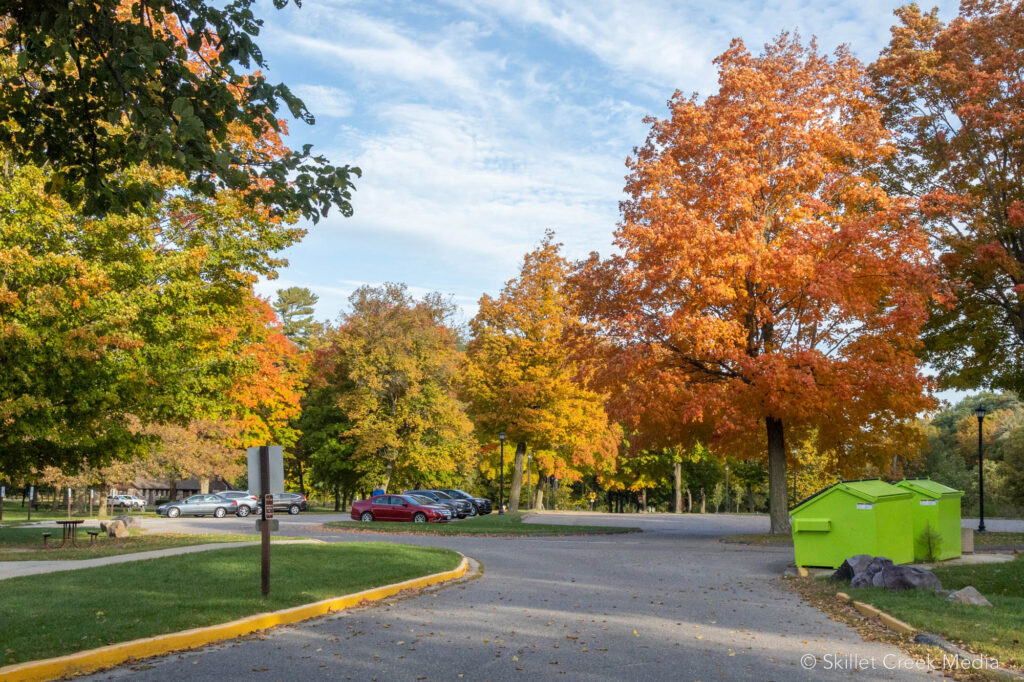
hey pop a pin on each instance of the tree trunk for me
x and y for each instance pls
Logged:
(750, 498)
(539, 495)
(302, 480)
(389, 471)
(689, 500)
(204, 485)
(643, 500)
(677, 474)
(517, 477)
(703, 501)
(172, 489)
(54, 498)
(777, 508)
(337, 499)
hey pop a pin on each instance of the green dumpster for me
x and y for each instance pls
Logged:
(853, 517)
(935, 509)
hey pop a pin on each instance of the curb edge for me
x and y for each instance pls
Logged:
(114, 654)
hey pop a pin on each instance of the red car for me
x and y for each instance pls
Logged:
(398, 508)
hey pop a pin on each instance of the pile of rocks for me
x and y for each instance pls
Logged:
(864, 570)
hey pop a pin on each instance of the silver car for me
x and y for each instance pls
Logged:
(198, 505)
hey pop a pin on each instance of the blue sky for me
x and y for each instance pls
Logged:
(478, 124)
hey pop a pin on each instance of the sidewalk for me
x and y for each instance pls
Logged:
(14, 569)
(996, 525)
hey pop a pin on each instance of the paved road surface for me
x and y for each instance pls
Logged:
(671, 603)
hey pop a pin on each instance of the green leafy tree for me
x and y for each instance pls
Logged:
(94, 88)
(107, 324)
(295, 306)
(389, 373)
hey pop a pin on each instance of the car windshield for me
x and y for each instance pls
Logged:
(420, 499)
(458, 494)
(423, 493)
(441, 495)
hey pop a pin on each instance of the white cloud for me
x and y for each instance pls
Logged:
(325, 100)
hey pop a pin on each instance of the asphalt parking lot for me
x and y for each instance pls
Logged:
(669, 603)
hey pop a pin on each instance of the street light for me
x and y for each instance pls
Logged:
(501, 476)
(980, 413)
(726, 488)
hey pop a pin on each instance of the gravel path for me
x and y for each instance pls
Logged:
(671, 603)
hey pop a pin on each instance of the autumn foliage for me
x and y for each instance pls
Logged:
(766, 275)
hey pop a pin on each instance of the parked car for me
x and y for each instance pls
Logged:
(399, 508)
(460, 508)
(292, 503)
(198, 505)
(246, 503)
(482, 504)
(126, 502)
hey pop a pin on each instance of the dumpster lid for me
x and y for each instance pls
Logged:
(929, 488)
(868, 489)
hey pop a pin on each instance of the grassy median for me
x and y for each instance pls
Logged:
(997, 632)
(49, 615)
(489, 524)
(26, 544)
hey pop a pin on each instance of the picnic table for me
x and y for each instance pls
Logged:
(70, 531)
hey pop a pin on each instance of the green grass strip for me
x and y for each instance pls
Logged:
(42, 616)
(489, 524)
(996, 631)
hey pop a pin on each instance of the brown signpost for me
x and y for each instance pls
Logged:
(267, 513)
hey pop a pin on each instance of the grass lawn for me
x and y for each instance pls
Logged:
(49, 615)
(996, 631)
(489, 524)
(761, 539)
(26, 544)
(994, 539)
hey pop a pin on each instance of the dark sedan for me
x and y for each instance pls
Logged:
(482, 504)
(460, 508)
(398, 508)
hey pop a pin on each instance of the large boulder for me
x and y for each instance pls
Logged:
(130, 521)
(968, 595)
(865, 578)
(851, 567)
(117, 529)
(906, 578)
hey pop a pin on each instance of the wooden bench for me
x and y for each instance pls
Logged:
(46, 536)
(92, 535)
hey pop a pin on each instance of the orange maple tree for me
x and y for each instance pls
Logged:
(766, 278)
(953, 92)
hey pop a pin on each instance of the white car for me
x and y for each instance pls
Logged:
(126, 502)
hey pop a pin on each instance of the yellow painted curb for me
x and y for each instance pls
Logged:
(802, 572)
(843, 597)
(866, 609)
(115, 654)
(897, 625)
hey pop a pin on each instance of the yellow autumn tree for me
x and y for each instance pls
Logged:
(521, 375)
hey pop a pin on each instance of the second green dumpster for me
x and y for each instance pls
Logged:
(935, 509)
(853, 517)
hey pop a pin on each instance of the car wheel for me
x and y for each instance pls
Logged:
(367, 516)
(419, 517)
(293, 509)
(173, 513)
(243, 511)
(220, 512)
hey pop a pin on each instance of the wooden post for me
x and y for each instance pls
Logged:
(265, 525)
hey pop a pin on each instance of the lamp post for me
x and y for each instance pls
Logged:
(980, 413)
(501, 475)
(726, 488)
